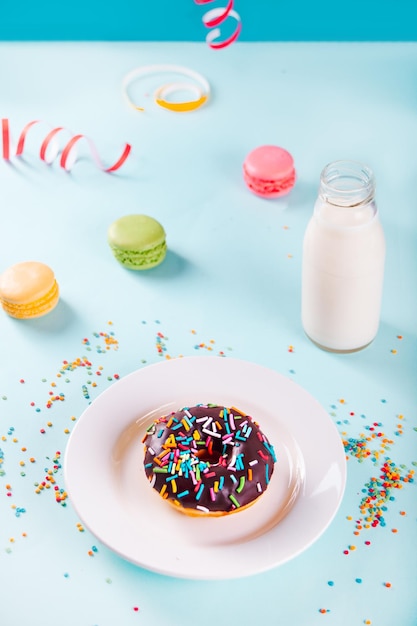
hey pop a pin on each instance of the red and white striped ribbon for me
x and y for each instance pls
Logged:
(213, 18)
(49, 148)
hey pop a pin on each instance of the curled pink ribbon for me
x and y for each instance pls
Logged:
(213, 18)
(67, 158)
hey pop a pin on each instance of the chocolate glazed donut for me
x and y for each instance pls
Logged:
(208, 459)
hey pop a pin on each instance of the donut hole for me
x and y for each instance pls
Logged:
(209, 456)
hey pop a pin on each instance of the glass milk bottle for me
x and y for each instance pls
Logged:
(343, 260)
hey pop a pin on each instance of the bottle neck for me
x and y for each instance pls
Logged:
(346, 195)
(347, 184)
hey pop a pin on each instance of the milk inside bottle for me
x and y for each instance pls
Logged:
(343, 260)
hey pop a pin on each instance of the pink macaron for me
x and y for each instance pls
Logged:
(269, 171)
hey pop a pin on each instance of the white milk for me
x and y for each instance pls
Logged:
(343, 261)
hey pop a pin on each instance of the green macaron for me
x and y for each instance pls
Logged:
(137, 241)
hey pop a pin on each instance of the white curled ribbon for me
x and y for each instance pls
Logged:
(199, 87)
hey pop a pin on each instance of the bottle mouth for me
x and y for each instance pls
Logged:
(347, 183)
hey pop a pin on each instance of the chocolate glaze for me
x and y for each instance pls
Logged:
(208, 457)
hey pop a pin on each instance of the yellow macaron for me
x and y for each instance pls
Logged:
(28, 290)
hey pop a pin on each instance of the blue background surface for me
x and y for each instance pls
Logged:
(165, 20)
(233, 274)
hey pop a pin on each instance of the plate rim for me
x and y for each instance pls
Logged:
(158, 367)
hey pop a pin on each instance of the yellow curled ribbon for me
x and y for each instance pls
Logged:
(199, 87)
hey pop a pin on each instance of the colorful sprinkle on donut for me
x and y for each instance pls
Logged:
(208, 459)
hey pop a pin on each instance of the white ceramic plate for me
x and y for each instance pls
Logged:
(108, 488)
